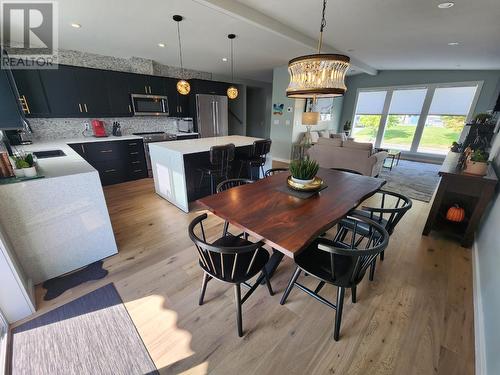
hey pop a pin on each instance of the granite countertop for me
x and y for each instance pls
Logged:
(202, 144)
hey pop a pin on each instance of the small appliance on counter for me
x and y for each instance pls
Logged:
(117, 129)
(18, 137)
(98, 128)
(185, 125)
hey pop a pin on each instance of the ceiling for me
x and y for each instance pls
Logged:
(377, 34)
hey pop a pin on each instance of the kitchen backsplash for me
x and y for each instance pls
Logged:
(47, 129)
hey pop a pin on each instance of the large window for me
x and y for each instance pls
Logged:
(424, 119)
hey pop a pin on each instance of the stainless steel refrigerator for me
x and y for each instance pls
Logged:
(211, 115)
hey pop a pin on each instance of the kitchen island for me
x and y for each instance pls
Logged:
(60, 222)
(176, 166)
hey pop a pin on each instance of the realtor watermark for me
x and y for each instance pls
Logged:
(29, 34)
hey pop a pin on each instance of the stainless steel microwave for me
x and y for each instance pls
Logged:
(149, 105)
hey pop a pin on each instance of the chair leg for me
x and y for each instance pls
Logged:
(226, 228)
(319, 287)
(338, 313)
(201, 180)
(268, 282)
(353, 294)
(206, 279)
(237, 300)
(372, 269)
(290, 285)
(212, 184)
(382, 255)
(241, 168)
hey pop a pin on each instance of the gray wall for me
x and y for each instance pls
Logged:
(385, 78)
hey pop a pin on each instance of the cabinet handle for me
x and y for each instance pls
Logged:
(136, 162)
(109, 170)
(106, 151)
(83, 149)
(24, 104)
(134, 153)
(80, 106)
(150, 89)
(85, 105)
(137, 170)
(146, 89)
(133, 144)
(129, 108)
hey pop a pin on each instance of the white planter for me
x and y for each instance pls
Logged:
(303, 182)
(477, 168)
(29, 172)
(19, 172)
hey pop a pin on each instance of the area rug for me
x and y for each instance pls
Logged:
(412, 179)
(91, 335)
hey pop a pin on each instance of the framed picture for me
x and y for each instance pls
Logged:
(323, 105)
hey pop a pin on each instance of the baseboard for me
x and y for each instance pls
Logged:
(480, 350)
(282, 160)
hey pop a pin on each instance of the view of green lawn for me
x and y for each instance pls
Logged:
(432, 137)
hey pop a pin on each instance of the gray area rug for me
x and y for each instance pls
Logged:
(91, 335)
(412, 179)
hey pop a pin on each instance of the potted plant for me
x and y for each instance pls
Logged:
(477, 163)
(25, 165)
(303, 171)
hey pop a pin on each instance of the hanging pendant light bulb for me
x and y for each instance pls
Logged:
(320, 75)
(183, 86)
(232, 91)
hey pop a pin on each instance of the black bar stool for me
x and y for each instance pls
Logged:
(221, 158)
(257, 158)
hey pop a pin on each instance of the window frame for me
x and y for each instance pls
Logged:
(424, 113)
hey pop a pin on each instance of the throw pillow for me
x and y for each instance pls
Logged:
(324, 133)
(314, 137)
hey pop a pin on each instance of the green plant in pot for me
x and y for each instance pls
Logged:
(477, 163)
(25, 165)
(304, 170)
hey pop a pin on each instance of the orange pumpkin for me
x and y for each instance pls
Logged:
(455, 214)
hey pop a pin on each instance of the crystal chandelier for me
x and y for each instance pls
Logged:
(319, 75)
(183, 86)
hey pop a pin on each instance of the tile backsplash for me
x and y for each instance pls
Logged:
(47, 129)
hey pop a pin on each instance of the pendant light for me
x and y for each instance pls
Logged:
(232, 91)
(320, 75)
(183, 86)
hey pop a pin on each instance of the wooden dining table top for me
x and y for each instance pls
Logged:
(283, 221)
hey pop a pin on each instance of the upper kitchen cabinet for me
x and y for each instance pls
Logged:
(147, 85)
(10, 112)
(31, 93)
(118, 89)
(201, 86)
(60, 88)
(156, 85)
(178, 104)
(92, 91)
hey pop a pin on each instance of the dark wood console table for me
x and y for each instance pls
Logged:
(473, 193)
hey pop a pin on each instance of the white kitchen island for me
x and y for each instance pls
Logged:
(58, 223)
(175, 166)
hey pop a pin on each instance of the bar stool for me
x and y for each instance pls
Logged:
(257, 158)
(221, 158)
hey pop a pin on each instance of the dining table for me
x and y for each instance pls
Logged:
(271, 213)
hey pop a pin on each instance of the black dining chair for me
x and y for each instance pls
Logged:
(387, 209)
(220, 158)
(257, 157)
(273, 171)
(232, 260)
(229, 184)
(341, 262)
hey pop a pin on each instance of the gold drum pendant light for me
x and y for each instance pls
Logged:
(183, 86)
(232, 91)
(319, 75)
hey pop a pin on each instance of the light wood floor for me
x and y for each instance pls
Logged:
(415, 318)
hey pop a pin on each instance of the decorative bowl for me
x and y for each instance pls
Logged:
(316, 184)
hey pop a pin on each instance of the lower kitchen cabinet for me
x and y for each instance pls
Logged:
(116, 161)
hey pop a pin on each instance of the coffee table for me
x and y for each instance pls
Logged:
(393, 155)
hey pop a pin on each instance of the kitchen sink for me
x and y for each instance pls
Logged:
(48, 154)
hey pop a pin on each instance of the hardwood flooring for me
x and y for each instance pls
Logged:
(415, 318)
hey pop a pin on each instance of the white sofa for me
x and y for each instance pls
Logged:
(336, 153)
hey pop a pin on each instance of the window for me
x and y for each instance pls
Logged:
(369, 109)
(3, 342)
(419, 119)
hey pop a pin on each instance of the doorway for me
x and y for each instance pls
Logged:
(257, 124)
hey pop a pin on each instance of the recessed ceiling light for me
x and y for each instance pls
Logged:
(445, 5)
(161, 45)
(224, 59)
(76, 25)
(453, 43)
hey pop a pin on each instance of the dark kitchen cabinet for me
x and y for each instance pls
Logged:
(157, 85)
(116, 161)
(178, 104)
(10, 111)
(61, 90)
(201, 86)
(141, 84)
(31, 92)
(92, 91)
(118, 90)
